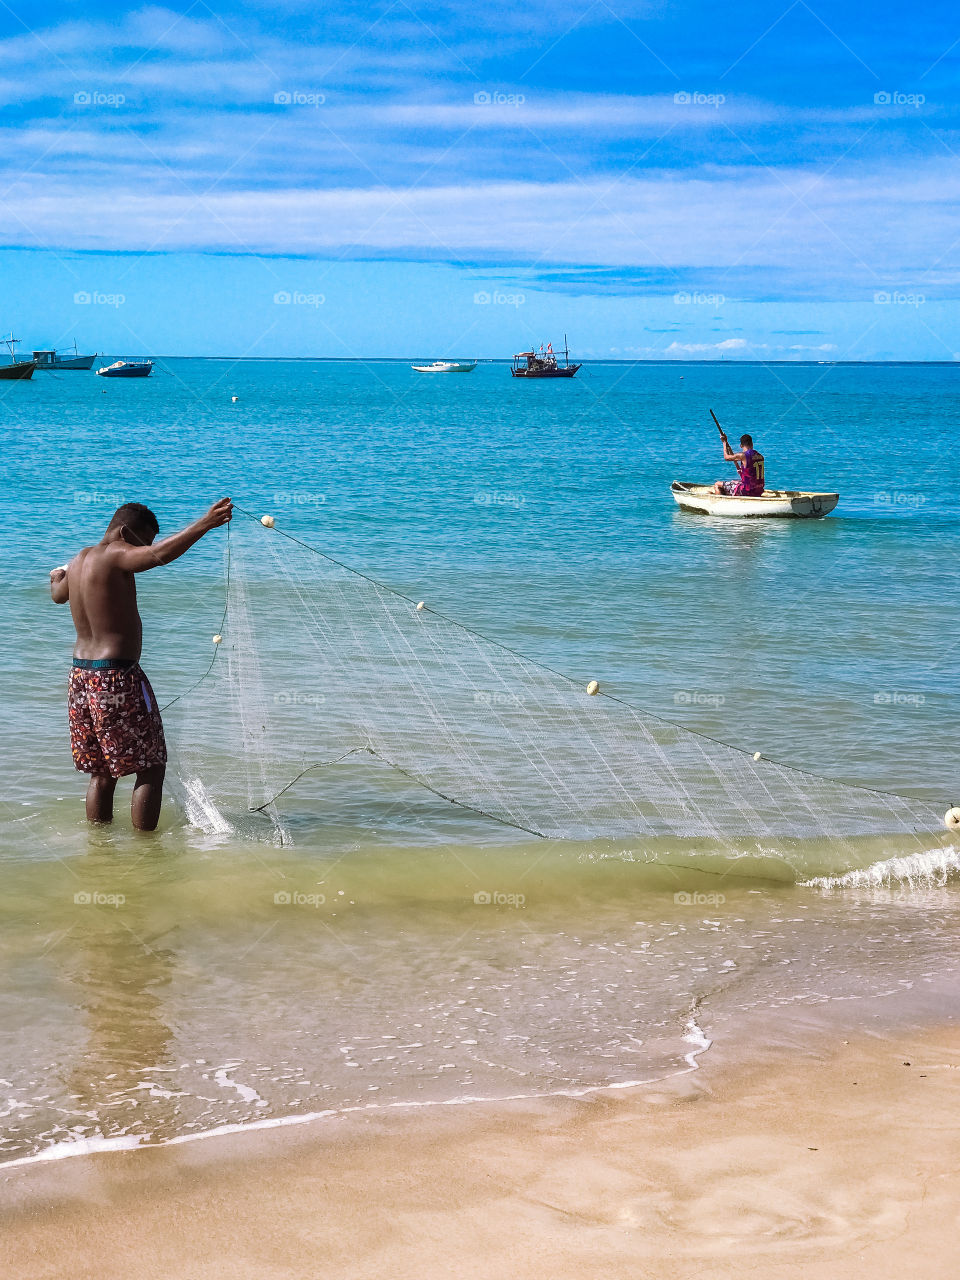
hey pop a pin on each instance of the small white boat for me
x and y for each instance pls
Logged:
(446, 366)
(701, 498)
(127, 369)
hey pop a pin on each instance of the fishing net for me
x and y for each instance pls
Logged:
(319, 664)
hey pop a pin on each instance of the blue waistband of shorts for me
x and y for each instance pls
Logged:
(104, 664)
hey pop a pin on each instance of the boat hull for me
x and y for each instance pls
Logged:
(126, 371)
(567, 371)
(75, 362)
(772, 503)
(451, 367)
(19, 369)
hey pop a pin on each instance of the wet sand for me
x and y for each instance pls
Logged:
(834, 1163)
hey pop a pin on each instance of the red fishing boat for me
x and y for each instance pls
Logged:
(543, 363)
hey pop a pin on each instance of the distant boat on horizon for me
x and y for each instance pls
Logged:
(16, 368)
(48, 358)
(446, 366)
(127, 369)
(543, 364)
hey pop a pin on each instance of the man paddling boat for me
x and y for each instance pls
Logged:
(749, 463)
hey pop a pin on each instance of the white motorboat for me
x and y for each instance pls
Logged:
(446, 366)
(127, 369)
(702, 498)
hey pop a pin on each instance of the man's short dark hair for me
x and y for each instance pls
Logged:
(747, 440)
(137, 517)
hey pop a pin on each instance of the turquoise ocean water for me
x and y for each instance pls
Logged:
(153, 989)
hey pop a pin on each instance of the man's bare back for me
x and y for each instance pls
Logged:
(103, 601)
(115, 726)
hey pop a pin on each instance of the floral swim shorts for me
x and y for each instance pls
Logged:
(115, 726)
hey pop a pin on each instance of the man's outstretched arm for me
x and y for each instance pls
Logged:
(138, 559)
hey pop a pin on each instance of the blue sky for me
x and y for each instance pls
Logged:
(766, 181)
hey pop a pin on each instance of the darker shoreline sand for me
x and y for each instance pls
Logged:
(831, 1161)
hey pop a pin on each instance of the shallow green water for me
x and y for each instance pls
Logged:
(160, 986)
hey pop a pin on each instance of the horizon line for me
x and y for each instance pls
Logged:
(507, 360)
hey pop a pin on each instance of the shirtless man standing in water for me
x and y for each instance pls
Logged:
(115, 726)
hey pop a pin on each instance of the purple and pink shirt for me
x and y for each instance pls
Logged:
(750, 484)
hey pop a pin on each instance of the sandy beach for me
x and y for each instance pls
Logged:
(502, 826)
(839, 1162)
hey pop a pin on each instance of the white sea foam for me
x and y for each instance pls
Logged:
(246, 1093)
(695, 1035)
(919, 870)
(80, 1147)
(89, 1146)
(201, 810)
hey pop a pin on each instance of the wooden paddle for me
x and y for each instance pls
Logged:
(723, 434)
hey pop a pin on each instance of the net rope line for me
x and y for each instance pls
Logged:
(663, 796)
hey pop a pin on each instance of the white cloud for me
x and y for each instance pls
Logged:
(835, 230)
(698, 348)
(728, 346)
(199, 157)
